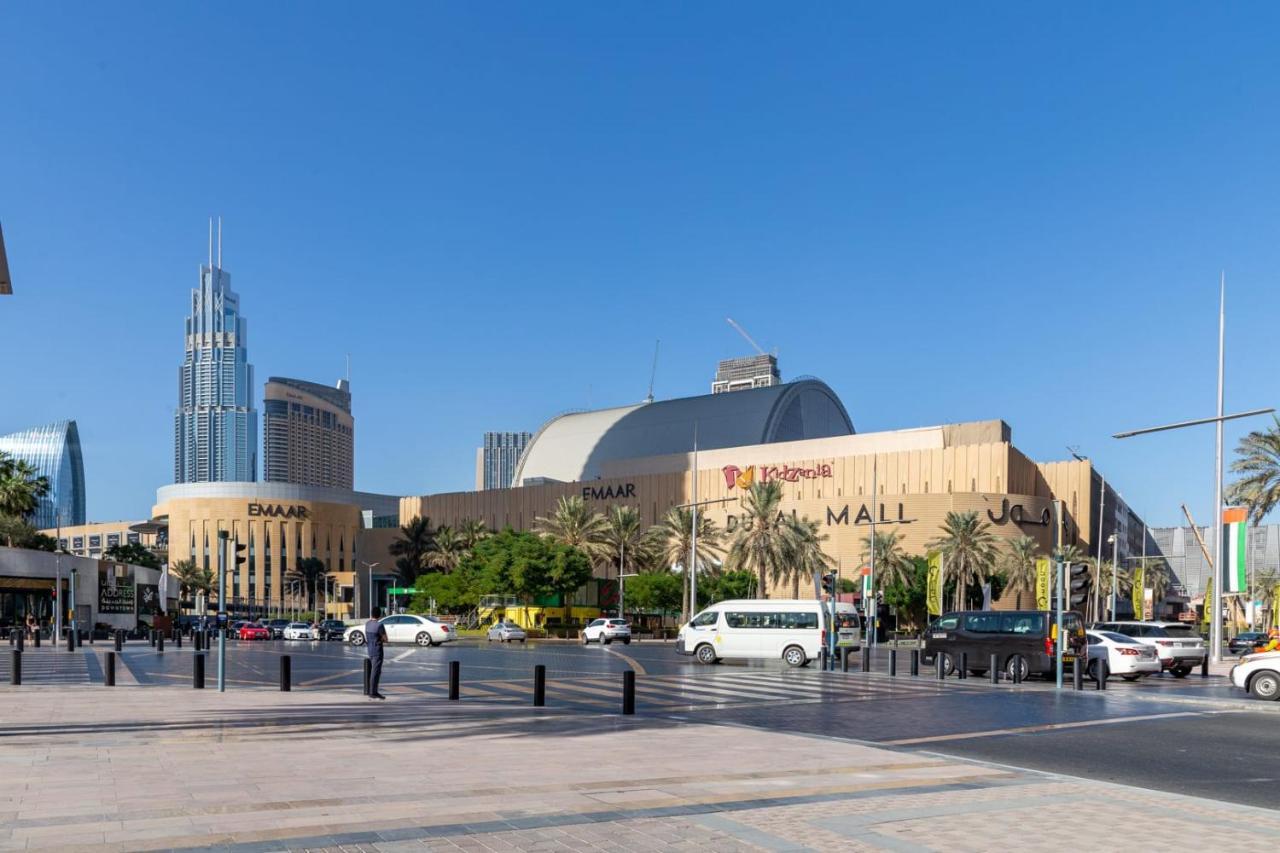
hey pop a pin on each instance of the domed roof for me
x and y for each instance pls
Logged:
(573, 446)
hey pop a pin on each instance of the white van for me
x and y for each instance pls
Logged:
(769, 629)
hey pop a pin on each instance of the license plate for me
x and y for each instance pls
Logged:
(939, 636)
(1068, 658)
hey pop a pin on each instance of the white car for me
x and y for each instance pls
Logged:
(406, 628)
(506, 632)
(1125, 656)
(1178, 645)
(298, 631)
(605, 631)
(1259, 674)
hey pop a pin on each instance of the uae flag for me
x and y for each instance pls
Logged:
(1235, 547)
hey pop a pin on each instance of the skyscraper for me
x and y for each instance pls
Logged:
(54, 450)
(496, 462)
(753, 371)
(308, 434)
(215, 429)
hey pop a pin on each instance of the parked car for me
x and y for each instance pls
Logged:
(1244, 642)
(253, 631)
(406, 628)
(788, 629)
(506, 632)
(298, 631)
(605, 631)
(332, 629)
(1023, 641)
(1178, 645)
(1259, 674)
(276, 627)
(1125, 656)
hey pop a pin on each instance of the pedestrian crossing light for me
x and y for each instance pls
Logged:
(829, 583)
(1079, 584)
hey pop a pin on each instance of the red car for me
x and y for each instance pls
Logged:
(253, 631)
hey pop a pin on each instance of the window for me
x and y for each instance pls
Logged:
(765, 619)
(595, 623)
(1024, 624)
(983, 623)
(706, 619)
(947, 623)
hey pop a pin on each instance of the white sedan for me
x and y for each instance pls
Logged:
(407, 628)
(1125, 656)
(1259, 674)
(298, 631)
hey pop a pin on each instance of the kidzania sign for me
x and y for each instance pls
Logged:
(745, 478)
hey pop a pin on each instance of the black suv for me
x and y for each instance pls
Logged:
(332, 629)
(1243, 643)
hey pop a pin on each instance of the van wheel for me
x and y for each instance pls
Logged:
(1265, 685)
(705, 654)
(1016, 664)
(795, 656)
(1181, 671)
(948, 663)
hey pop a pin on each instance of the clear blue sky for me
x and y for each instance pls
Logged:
(948, 213)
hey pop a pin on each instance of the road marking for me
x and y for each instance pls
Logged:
(635, 664)
(402, 655)
(332, 677)
(1049, 727)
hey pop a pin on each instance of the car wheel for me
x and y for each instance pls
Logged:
(585, 639)
(1092, 670)
(794, 656)
(424, 639)
(626, 641)
(357, 638)
(606, 641)
(1181, 671)
(1131, 677)
(1265, 685)
(706, 653)
(1016, 667)
(522, 641)
(490, 639)
(948, 664)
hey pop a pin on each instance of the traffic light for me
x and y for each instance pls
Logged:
(240, 549)
(829, 584)
(1078, 583)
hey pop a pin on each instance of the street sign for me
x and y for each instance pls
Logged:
(402, 590)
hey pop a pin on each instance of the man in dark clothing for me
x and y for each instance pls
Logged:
(375, 636)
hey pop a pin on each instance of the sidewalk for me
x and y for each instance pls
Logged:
(87, 768)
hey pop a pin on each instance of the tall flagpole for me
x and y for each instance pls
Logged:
(1215, 626)
(693, 534)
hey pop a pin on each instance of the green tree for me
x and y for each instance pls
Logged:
(21, 486)
(18, 534)
(674, 535)
(471, 531)
(524, 565)
(445, 551)
(761, 544)
(188, 577)
(410, 548)
(968, 546)
(893, 565)
(659, 591)
(727, 586)
(576, 525)
(805, 554)
(1258, 460)
(308, 572)
(906, 592)
(568, 571)
(132, 553)
(630, 544)
(1018, 563)
(452, 593)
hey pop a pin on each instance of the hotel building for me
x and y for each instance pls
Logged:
(308, 433)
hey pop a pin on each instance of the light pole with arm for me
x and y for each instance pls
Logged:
(370, 567)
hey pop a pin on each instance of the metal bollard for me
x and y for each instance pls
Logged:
(1077, 675)
(109, 672)
(159, 641)
(455, 671)
(1103, 670)
(15, 667)
(177, 638)
(368, 675)
(995, 669)
(119, 640)
(36, 638)
(866, 658)
(938, 663)
(1204, 667)
(844, 659)
(286, 673)
(893, 662)
(151, 635)
(22, 639)
(1017, 675)
(71, 640)
(915, 661)
(822, 658)
(196, 637)
(963, 671)
(197, 672)
(539, 686)
(629, 691)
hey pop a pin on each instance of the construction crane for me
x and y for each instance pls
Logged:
(654, 372)
(744, 334)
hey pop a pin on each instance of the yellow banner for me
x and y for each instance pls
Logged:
(1043, 577)
(1208, 601)
(1135, 593)
(1275, 605)
(933, 595)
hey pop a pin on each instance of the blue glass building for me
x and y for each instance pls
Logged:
(215, 429)
(54, 450)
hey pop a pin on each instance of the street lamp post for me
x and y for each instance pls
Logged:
(73, 603)
(1115, 569)
(223, 536)
(370, 567)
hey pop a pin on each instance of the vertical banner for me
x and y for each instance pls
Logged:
(1042, 583)
(933, 594)
(986, 596)
(1139, 579)
(1235, 549)
(1208, 601)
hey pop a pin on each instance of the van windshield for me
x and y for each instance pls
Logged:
(704, 620)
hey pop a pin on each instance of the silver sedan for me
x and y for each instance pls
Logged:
(506, 632)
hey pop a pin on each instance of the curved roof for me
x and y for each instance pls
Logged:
(572, 447)
(54, 450)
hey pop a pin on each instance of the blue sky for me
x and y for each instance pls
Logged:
(946, 213)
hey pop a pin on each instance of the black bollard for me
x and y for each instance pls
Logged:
(893, 661)
(1104, 670)
(119, 640)
(15, 667)
(844, 659)
(71, 640)
(455, 670)
(196, 636)
(109, 673)
(159, 641)
(22, 639)
(629, 691)
(822, 659)
(151, 635)
(915, 661)
(539, 686)
(36, 638)
(1204, 667)
(963, 671)
(995, 669)
(91, 636)
(197, 672)
(368, 675)
(177, 638)
(1077, 674)
(866, 658)
(938, 663)
(286, 673)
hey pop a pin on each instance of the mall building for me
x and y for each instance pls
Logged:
(800, 435)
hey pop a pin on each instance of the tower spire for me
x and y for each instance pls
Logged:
(211, 244)
(219, 242)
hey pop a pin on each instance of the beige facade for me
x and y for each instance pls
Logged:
(92, 540)
(918, 475)
(308, 433)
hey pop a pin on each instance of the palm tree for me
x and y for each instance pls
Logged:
(1124, 582)
(471, 531)
(893, 565)
(21, 486)
(761, 543)
(674, 535)
(187, 576)
(308, 571)
(573, 523)
(629, 543)
(968, 547)
(414, 542)
(1018, 562)
(446, 551)
(1258, 459)
(806, 555)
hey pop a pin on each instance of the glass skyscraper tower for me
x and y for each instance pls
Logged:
(54, 450)
(215, 430)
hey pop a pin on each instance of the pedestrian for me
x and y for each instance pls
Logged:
(374, 637)
(32, 627)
